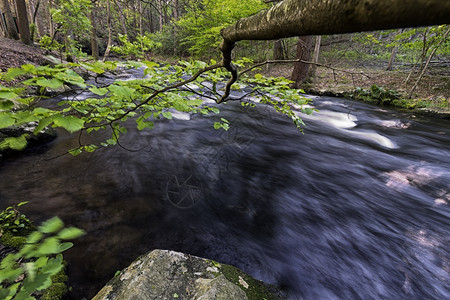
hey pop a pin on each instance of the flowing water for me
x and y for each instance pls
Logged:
(357, 207)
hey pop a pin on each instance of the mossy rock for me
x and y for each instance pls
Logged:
(163, 274)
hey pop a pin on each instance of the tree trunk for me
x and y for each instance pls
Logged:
(10, 24)
(108, 13)
(24, 24)
(175, 9)
(161, 17)
(278, 53)
(315, 57)
(141, 12)
(301, 70)
(319, 17)
(393, 55)
(175, 17)
(51, 31)
(37, 21)
(392, 59)
(94, 42)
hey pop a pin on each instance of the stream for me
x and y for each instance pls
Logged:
(357, 207)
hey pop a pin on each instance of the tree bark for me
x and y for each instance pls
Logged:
(51, 31)
(278, 53)
(23, 23)
(315, 58)
(318, 17)
(161, 17)
(108, 13)
(10, 24)
(301, 70)
(392, 59)
(94, 42)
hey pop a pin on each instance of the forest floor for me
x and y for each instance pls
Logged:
(432, 93)
(14, 53)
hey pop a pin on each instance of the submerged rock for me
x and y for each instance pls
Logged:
(163, 274)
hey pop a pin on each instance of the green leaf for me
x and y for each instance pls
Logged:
(70, 233)
(71, 77)
(167, 115)
(150, 64)
(69, 123)
(10, 274)
(51, 226)
(121, 92)
(41, 261)
(92, 67)
(29, 68)
(42, 124)
(42, 111)
(99, 91)
(14, 143)
(75, 151)
(34, 237)
(54, 265)
(8, 95)
(50, 83)
(49, 246)
(64, 246)
(6, 104)
(40, 282)
(14, 73)
(6, 120)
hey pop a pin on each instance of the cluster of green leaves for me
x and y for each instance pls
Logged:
(48, 43)
(377, 94)
(201, 26)
(275, 91)
(17, 108)
(13, 221)
(155, 96)
(416, 40)
(72, 16)
(414, 44)
(136, 49)
(30, 270)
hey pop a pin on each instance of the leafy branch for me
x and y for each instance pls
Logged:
(162, 89)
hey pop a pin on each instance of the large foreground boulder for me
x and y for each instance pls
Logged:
(163, 274)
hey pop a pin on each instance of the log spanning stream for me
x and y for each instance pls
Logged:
(355, 208)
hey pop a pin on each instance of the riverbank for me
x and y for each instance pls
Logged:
(431, 97)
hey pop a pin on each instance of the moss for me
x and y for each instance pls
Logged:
(257, 290)
(10, 240)
(55, 292)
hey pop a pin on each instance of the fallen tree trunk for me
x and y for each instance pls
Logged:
(291, 18)
(318, 17)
